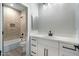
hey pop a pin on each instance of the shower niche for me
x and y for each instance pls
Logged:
(12, 25)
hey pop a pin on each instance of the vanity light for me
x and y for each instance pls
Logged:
(11, 4)
(45, 5)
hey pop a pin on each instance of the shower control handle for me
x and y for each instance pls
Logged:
(2, 32)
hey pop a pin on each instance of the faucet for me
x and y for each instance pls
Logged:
(50, 33)
(21, 36)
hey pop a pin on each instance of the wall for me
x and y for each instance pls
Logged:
(11, 16)
(23, 23)
(34, 17)
(0, 29)
(32, 11)
(77, 20)
(59, 18)
(28, 26)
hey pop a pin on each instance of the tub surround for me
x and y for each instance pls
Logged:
(14, 47)
(14, 52)
(11, 44)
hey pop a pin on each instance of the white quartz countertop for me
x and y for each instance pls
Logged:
(69, 40)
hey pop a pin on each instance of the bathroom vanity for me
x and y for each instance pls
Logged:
(43, 45)
(58, 30)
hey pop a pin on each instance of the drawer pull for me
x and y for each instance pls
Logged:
(77, 47)
(34, 39)
(70, 48)
(33, 45)
(44, 51)
(33, 52)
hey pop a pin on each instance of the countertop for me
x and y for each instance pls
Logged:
(69, 40)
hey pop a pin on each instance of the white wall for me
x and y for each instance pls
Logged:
(34, 17)
(77, 20)
(31, 12)
(23, 22)
(0, 29)
(59, 18)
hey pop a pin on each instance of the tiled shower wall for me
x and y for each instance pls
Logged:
(23, 23)
(11, 16)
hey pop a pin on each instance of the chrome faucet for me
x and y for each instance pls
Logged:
(50, 33)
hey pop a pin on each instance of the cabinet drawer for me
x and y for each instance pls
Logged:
(34, 41)
(33, 53)
(67, 48)
(33, 48)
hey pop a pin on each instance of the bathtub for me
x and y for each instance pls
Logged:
(11, 44)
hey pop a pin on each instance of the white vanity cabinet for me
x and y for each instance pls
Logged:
(48, 47)
(41, 50)
(68, 50)
(43, 47)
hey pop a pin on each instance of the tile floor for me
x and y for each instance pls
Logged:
(15, 52)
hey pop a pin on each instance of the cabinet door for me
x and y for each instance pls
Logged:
(41, 50)
(46, 50)
(67, 49)
(77, 53)
(64, 53)
(52, 51)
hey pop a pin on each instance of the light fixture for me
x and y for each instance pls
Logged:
(45, 5)
(11, 4)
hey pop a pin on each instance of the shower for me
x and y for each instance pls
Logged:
(14, 29)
